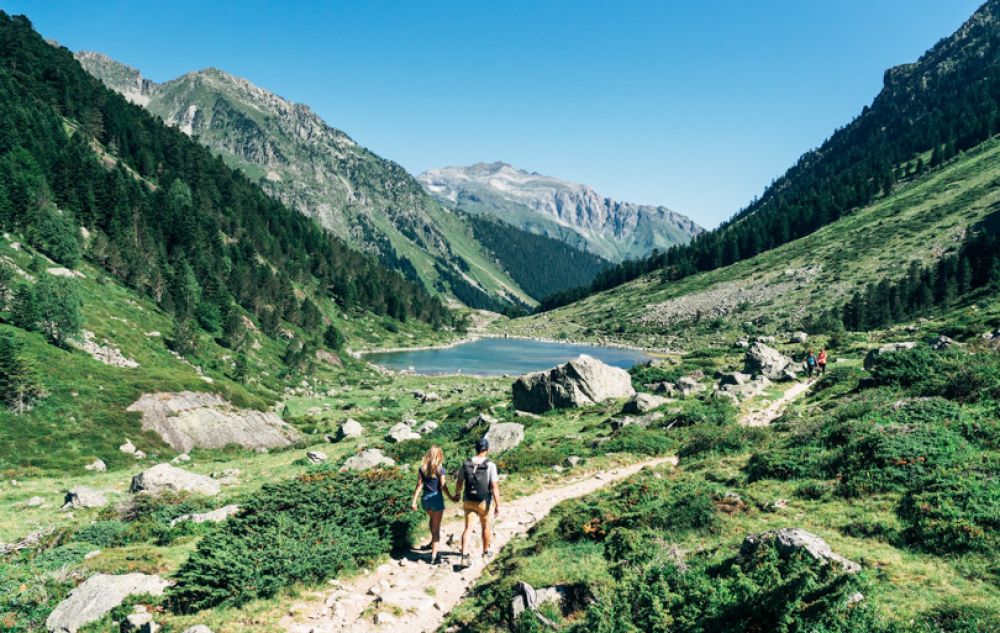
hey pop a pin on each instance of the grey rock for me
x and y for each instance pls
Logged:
(128, 447)
(368, 459)
(182, 458)
(765, 361)
(350, 429)
(642, 403)
(734, 378)
(573, 461)
(688, 385)
(197, 628)
(215, 516)
(84, 497)
(580, 382)
(166, 478)
(741, 343)
(873, 355)
(430, 397)
(401, 432)
(97, 466)
(483, 419)
(796, 539)
(427, 427)
(798, 337)
(316, 457)
(505, 436)
(944, 342)
(34, 502)
(97, 596)
(190, 419)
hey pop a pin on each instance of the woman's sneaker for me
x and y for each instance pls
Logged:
(488, 554)
(466, 561)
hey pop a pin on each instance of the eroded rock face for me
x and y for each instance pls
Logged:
(166, 478)
(762, 360)
(97, 596)
(580, 382)
(789, 540)
(189, 419)
(505, 436)
(368, 459)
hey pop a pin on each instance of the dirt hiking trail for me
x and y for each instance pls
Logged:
(407, 594)
(395, 596)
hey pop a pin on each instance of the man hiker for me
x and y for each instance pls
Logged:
(477, 483)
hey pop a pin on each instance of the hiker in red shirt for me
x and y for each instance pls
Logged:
(821, 361)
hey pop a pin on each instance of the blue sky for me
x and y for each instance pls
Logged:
(694, 105)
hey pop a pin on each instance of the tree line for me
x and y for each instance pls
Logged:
(164, 215)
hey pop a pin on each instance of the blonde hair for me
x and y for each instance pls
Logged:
(431, 464)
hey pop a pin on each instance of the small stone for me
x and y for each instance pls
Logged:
(34, 502)
(316, 457)
(382, 618)
(128, 447)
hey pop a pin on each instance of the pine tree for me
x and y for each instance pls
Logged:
(184, 339)
(241, 366)
(18, 387)
(59, 306)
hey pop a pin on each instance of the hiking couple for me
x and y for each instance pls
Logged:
(815, 363)
(476, 482)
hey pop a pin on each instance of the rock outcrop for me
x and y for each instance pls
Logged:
(350, 429)
(580, 382)
(789, 540)
(166, 478)
(190, 419)
(99, 595)
(402, 432)
(106, 353)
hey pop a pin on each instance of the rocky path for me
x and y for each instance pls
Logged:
(769, 414)
(407, 594)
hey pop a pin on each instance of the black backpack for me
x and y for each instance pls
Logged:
(477, 480)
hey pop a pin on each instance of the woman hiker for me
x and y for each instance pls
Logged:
(821, 361)
(431, 480)
(810, 364)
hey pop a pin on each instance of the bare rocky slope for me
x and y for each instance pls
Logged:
(571, 212)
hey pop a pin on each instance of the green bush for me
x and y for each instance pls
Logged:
(304, 530)
(952, 373)
(526, 458)
(959, 513)
(639, 441)
(103, 533)
(785, 463)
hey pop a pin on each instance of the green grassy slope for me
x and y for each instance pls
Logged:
(921, 220)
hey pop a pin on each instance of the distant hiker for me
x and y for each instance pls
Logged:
(810, 363)
(431, 480)
(821, 361)
(477, 482)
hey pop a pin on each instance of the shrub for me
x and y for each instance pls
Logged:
(785, 463)
(958, 513)
(532, 458)
(103, 533)
(952, 373)
(303, 530)
(639, 441)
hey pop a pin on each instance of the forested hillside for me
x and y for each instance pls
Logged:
(541, 265)
(163, 215)
(946, 102)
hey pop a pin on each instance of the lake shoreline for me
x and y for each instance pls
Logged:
(359, 354)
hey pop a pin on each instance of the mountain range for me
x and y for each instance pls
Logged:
(568, 211)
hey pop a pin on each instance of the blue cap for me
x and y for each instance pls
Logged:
(482, 444)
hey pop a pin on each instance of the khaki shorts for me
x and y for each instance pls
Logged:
(479, 508)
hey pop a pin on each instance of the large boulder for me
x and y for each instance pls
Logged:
(761, 360)
(580, 382)
(99, 595)
(789, 540)
(350, 429)
(84, 497)
(368, 459)
(890, 348)
(402, 432)
(166, 478)
(505, 436)
(798, 337)
(643, 403)
(189, 419)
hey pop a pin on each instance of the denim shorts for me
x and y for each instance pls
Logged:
(433, 502)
